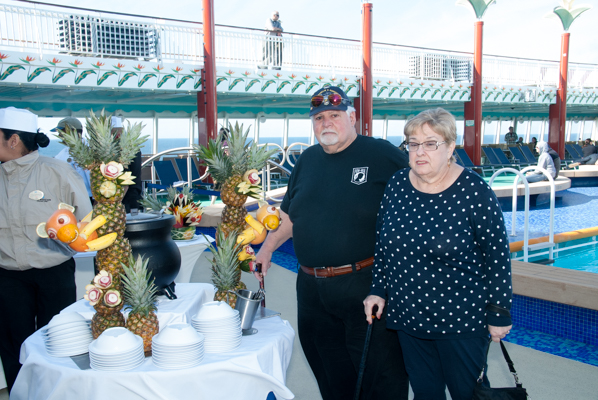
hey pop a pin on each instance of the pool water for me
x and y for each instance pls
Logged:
(581, 259)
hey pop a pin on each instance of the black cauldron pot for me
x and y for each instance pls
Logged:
(149, 236)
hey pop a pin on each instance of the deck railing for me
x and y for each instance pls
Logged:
(50, 31)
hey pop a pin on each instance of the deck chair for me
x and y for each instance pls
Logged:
(528, 154)
(493, 158)
(572, 152)
(502, 157)
(518, 155)
(167, 173)
(578, 148)
(182, 166)
(467, 163)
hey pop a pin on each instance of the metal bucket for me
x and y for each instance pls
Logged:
(247, 308)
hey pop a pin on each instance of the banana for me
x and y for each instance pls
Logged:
(254, 224)
(102, 242)
(92, 226)
(246, 236)
(87, 217)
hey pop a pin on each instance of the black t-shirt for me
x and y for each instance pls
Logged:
(333, 200)
(133, 195)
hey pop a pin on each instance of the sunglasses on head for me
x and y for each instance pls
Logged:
(334, 98)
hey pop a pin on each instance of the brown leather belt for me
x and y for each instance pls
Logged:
(328, 272)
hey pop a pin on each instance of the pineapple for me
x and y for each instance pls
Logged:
(103, 150)
(140, 295)
(227, 168)
(226, 267)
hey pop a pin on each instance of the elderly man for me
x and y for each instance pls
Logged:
(330, 212)
(511, 137)
(64, 155)
(273, 43)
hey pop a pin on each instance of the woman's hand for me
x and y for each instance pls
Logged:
(368, 305)
(498, 332)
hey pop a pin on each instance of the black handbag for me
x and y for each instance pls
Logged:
(509, 393)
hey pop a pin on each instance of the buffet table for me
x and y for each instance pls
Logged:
(190, 252)
(249, 372)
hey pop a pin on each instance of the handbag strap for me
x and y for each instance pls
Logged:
(510, 363)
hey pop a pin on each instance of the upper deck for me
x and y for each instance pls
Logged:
(67, 58)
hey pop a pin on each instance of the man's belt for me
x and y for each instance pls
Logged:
(328, 272)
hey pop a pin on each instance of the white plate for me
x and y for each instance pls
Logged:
(67, 353)
(116, 369)
(65, 318)
(119, 348)
(70, 335)
(112, 363)
(66, 328)
(70, 340)
(117, 357)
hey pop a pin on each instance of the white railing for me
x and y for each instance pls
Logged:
(49, 31)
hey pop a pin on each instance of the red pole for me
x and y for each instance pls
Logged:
(472, 141)
(367, 88)
(558, 111)
(210, 68)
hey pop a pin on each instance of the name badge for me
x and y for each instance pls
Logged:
(36, 195)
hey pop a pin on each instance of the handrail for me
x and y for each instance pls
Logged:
(520, 176)
(289, 149)
(190, 153)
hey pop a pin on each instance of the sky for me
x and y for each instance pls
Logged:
(514, 28)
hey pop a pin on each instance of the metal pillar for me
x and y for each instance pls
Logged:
(367, 88)
(472, 134)
(210, 69)
(557, 113)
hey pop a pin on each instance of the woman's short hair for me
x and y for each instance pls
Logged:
(31, 141)
(439, 120)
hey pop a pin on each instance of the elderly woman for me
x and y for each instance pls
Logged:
(37, 276)
(549, 160)
(442, 271)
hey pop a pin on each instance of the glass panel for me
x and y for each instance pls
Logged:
(460, 130)
(272, 131)
(172, 133)
(520, 129)
(575, 126)
(247, 123)
(587, 128)
(396, 131)
(535, 130)
(299, 131)
(378, 125)
(489, 134)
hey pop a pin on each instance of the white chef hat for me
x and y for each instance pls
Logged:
(18, 119)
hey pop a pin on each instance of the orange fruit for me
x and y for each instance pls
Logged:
(271, 222)
(259, 238)
(80, 244)
(266, 210)
(67, 233)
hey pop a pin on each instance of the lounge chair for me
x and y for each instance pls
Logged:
(528, 154)
(466, 162)
(493, 159)
(518, 155)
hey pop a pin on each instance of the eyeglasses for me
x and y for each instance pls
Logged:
(335, 99)
(427, 146)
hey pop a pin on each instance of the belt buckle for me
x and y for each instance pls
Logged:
(316, 272)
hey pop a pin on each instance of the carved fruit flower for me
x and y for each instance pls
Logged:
(108, 189)
(103, 280)
(112, 298)
(112, 170)
(93, 294)
(252, 177)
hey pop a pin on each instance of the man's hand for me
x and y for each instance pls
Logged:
(368, 306)
(264, 258)
(499, 332)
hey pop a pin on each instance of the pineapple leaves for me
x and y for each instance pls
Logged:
(241, 155)
(139, 289)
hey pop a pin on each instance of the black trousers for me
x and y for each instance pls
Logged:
(434, 365)
(28, 301)
(332, 330)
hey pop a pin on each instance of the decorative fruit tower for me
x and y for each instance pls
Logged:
(106, 155)
(234, 170)
(140, 296)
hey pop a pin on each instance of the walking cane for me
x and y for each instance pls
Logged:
(364, 356)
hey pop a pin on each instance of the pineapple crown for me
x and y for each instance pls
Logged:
(239, 157)
(139, 289)
(226, 270)
(102, 146)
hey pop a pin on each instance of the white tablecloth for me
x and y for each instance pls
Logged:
(250, 372)
(190, 252)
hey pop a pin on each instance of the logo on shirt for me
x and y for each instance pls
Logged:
(360, 175)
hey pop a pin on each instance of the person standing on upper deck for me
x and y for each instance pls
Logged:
(511, 137)
(273, 43)
(330, 211)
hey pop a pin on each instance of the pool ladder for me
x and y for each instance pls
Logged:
(520, 176)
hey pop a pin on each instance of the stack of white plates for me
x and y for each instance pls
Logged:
(116, 349)
(177, 346)
(220, 325)
(67, 335)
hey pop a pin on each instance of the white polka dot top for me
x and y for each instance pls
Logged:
(441, 258)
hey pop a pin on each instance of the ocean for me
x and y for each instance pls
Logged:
(164, 144)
